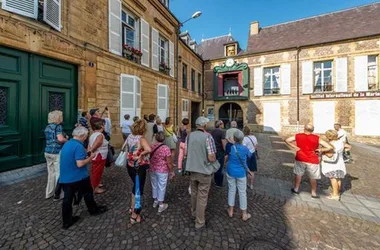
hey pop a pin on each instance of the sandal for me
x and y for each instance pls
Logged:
(247, 217)
(230, 214)
(99, 191)
(130, 210)
(134, 220)
(101, 185)
(331, 197)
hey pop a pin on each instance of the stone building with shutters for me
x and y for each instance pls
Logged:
(76, 55)
(322, 69)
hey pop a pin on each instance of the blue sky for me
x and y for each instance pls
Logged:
(218, 16)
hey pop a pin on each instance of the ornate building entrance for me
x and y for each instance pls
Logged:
(231, 111)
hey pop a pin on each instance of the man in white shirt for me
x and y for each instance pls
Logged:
(342, 136)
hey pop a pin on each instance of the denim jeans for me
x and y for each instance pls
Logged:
(241, 184)
(219, 175)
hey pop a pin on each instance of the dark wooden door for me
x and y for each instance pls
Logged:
(14, 109)
(30, 87)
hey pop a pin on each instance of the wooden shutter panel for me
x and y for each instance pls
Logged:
(114, 29)
(138, 96)
(341, 74)
(171, 58)
(52, 13)
(307, 77)
(162, 101)
(361, 73)
(27, 8)
(155, 61)
(145, 43)
(127, 96)
(285, 79)
(258, 81)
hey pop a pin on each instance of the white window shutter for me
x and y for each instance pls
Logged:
(185, 108)
(285, 79)
(258, 81)
(171, 58)
(138, 96)
(127, 96)
(145, 43)
(27, 8)
(114, 27)
(155, 61)
(341, 74)
(52, 13)
(361, 73)
(162, 101)
(137, 35)
(307, 77)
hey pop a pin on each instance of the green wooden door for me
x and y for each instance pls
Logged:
(30, 88)
(14, 109)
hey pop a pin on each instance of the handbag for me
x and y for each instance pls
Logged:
(121, 160)
(241, 161)
(331, 160)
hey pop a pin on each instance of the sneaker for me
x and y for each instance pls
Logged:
(155, 204)
(189, 190)
(73, 221)
(162, 207)
(294, 191)
(99, 210)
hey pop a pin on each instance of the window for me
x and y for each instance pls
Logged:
(323, 76)
(185, 108)
(165, 2)
(192, 80)
(130, 30)
(163, 50)
(130, 96)
(199, 83)
(373, 69)
(272, 81)
(184, 76)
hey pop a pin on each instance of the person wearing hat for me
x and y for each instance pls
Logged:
(200, 150)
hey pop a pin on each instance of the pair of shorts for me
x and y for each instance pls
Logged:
(312, 170)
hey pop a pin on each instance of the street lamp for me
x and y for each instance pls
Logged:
(194, 16)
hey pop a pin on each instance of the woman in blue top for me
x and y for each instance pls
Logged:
(55, 138)
(237, 169)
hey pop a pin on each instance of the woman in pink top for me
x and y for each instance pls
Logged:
(161, 166)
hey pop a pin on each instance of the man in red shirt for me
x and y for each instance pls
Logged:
(307, 157)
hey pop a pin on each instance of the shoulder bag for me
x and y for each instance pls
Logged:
(257, 155)
(241, 161)
(121, 160)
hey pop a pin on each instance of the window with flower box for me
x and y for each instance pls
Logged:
(130, 36)
(163, 50)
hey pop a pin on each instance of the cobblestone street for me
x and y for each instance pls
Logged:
(279, 220)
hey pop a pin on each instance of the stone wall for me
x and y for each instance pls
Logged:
(83, 41)
(344, 108)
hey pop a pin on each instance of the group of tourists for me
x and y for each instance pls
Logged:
(315, 155)
(149, 145)
(209, 152)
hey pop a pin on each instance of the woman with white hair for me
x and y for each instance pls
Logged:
(237, 170)
(55, 138)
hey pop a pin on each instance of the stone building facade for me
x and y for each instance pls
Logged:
(297, 76)
(70, 55)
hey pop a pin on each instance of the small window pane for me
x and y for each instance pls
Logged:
(162, 103)
(124, 16)
(127, 100)
(131, 21)
(3, 105)
(327, 64)
(56, 101)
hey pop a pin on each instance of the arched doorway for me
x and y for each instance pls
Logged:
(231, 112)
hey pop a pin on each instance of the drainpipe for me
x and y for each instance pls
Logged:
(176, 77)
(298, 88)
(203, 88)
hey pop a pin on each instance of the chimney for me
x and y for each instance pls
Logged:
(254, 28)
